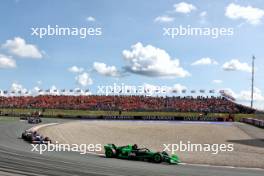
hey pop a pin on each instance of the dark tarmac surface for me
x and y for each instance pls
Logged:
(16, 158)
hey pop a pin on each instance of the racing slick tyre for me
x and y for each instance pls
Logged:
(157, 158)
(109, 154)
(23, 136)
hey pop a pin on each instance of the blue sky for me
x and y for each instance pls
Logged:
(28, 61)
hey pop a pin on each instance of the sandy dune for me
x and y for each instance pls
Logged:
(248, 151)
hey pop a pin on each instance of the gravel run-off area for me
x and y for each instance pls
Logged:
(248, 141)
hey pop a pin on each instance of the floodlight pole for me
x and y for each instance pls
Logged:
(252, 81)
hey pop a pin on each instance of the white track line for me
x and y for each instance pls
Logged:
(201, 165)
(229, 167)
(35, 128)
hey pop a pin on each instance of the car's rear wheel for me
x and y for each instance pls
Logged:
(157, 158)
(109, 154)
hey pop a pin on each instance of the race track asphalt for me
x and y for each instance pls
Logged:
(16, 158)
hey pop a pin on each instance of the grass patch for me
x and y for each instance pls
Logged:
(4, 119)
(87, 113)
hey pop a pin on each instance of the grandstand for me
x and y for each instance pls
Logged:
(127, 103)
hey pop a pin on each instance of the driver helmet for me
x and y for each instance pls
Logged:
(135, 146)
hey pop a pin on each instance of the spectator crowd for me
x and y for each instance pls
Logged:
(127, 103)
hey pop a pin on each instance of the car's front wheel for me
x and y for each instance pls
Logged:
(109, 154)
(157, 158)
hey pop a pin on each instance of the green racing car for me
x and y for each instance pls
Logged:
(132, 152)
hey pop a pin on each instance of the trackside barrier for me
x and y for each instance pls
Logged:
(255, 122)
(167, 118)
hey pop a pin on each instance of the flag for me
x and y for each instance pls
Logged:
(212, 91)
(202, 91)
(174, 91)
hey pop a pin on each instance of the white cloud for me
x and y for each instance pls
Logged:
(36, 90)
(217, 81)
(203, 17)
(91, 19)
(7, 62)
(39, 82)
(84, 79)
(205, 61)
(54, 90)
(244, 97)
(184, 7)
(203, 14)
(179, 87)
(236, 65)
(19, 47)
(16, 87)
(250, 14)
(105, 70)
(151, 61)
(75, 69)
(164, 19)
